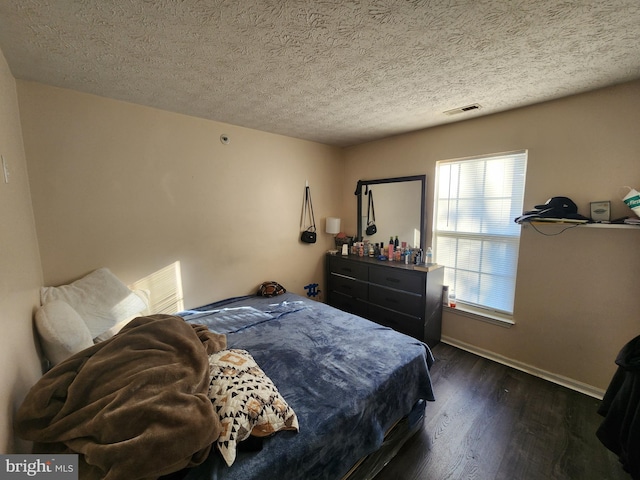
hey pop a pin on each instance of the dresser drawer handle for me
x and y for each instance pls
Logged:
(393, 280)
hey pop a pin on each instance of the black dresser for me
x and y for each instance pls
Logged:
(389, 293)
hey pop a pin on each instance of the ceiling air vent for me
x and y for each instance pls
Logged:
(467, 108)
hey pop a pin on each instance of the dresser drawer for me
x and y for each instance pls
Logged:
(349, 269)
(347, 286)
(347, 303)
(402, 323)
(408, 303)
(398, 279)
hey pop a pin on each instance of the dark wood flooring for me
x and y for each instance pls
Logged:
(490, 421)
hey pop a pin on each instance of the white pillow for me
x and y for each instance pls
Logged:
(61, 330)
(100, 299)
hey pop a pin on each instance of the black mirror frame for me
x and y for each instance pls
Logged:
(423, 199)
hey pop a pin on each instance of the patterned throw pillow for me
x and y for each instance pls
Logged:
(246, 401)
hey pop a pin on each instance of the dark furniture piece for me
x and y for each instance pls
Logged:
(393, 294)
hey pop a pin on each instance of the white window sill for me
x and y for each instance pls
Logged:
(482, 315)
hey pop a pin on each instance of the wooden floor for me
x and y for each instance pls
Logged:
(490, 421)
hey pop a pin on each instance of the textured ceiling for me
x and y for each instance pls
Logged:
(336, 72)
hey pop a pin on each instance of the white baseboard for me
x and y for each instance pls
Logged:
(552, 377)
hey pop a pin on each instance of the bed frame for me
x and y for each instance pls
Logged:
(394, 440)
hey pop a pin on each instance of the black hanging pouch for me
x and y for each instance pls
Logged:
(371, 216)
(308, 235)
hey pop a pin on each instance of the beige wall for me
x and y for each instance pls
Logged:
(135, 189)
(576, 302)
(20, 273)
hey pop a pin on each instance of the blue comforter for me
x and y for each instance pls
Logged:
(348, 380)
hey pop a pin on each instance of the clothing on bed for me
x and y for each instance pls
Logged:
(135, 406)
(347, 379)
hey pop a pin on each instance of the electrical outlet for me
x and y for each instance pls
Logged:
(5, 169)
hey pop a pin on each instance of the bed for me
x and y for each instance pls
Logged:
(358, 391)
(348, 380)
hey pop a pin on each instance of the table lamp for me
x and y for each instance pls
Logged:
(333, 225)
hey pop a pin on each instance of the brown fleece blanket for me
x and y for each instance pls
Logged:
(134, 406)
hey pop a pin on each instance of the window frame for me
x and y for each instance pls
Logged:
(482, 311)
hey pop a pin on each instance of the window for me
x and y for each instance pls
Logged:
(474, 234)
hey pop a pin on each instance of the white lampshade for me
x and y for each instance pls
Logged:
(333, 225)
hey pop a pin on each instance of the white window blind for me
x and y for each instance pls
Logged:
(475, 236)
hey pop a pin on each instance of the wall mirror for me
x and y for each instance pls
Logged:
(400, 209)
